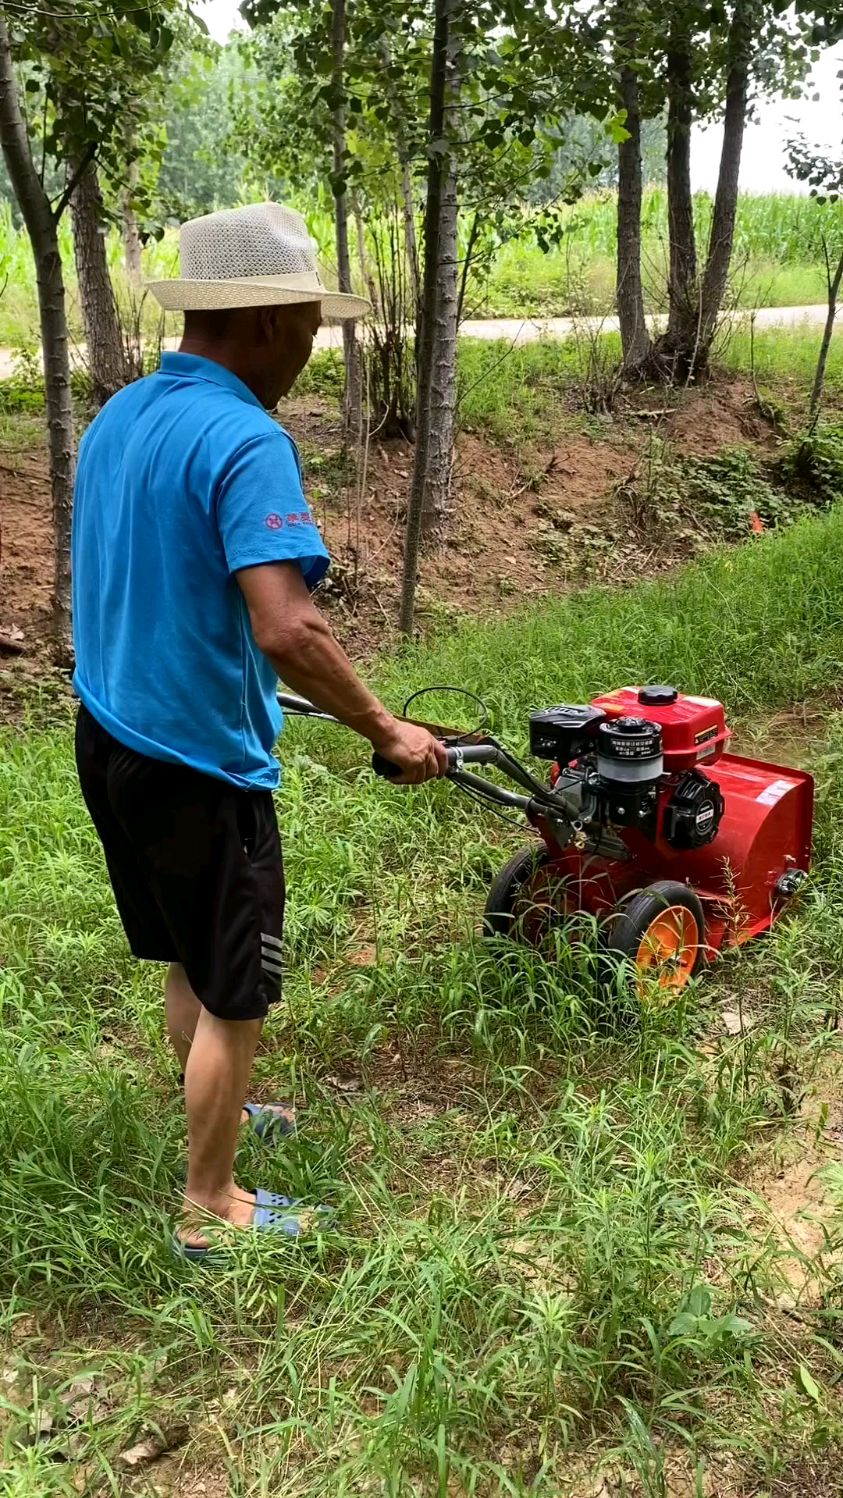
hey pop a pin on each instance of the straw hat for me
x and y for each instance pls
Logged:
(258, 256)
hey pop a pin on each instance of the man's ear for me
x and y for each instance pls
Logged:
(267, 323)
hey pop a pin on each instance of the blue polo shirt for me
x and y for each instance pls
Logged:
(183, 479)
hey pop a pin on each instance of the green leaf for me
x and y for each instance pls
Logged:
(736, 1326)
(807, 1383)
(699, 1301)
(682, 1325)
(616, 128)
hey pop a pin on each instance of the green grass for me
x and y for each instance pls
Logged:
(734, 626)
(786, 356)
(547, 1253)
(528, 392)
(532, 392)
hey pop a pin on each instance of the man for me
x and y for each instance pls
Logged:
(194, 556)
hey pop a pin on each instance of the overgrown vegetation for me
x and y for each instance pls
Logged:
(549, 1255)
(732, 493)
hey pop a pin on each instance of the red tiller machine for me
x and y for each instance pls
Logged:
(648, 823)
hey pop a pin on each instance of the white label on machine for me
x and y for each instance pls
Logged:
(773, 793)
(703, 701)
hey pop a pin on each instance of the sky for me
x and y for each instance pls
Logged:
(763, 160)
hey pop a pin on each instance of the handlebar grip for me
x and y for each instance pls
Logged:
(389, 771)
(385, 767)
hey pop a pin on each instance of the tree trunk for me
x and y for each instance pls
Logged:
(411, 248)
(438, 170)
(131, 233)
(682, 274)
(683, 286)
(635, 339)
(353, 396)
(131, 243)
(833, 283)
(41, 227)
(107, 361)
(362, 257)
(721, 241)
(436, 513)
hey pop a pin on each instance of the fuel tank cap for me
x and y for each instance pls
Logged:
(657, 696)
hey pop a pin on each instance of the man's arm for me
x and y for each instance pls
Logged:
(298, 641)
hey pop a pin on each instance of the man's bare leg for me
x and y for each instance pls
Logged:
(216, 1078)
(183, 1011)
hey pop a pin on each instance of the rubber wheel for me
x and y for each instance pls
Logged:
(513, 909)
(658, 935)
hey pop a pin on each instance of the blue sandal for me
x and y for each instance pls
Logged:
(273, 1214)
(267, 1123)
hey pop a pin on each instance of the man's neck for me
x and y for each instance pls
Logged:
(219, 352)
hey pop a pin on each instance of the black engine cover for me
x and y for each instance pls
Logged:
(694, 812)
(563, 733)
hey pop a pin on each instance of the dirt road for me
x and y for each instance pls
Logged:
(528, 330)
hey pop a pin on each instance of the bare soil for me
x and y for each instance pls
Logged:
(26, 558)
(528, 520)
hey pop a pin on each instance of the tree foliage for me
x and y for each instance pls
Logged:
(90, 76)
(202, 166)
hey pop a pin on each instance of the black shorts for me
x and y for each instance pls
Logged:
(196, 869)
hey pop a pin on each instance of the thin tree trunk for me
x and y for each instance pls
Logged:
(722, 236)
(362, 257)
(411, 281)
(677, 343)
(436, 514)
(467, 262)
(131, 233)
(682, 274)
(833, 283)
(635, 339)
(411, 248)
(42, 230)
(438, 169)
(104, 336)
(132, 248)
(353, 399)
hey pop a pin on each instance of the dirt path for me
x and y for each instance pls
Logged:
(517, 330)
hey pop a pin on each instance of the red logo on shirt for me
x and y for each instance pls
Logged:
(274, 522)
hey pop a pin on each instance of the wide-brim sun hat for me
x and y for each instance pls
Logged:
(260, 256)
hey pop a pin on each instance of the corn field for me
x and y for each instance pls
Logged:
(777, 259)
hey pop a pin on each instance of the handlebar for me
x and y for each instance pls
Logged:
(538, 798)
(472, 754)
(460, 756)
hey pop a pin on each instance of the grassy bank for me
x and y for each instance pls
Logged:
(549, 1254)
(529, 393)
